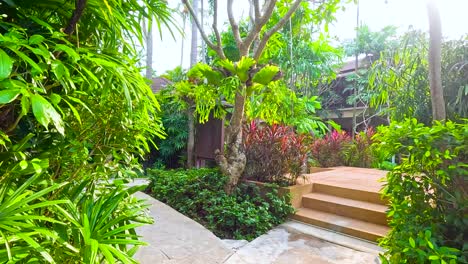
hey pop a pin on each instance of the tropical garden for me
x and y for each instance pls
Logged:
(78, 120)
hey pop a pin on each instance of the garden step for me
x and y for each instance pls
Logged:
(348, 191)
(342, 224)
(362, 210)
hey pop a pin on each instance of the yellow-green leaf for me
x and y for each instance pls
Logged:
(45, 113)
(7, 96)
(6, 64)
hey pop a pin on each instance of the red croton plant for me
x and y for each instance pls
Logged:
(275, 153)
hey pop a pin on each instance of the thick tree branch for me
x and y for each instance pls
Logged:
(202, 32)
(435, 80)
(259, 49)
(79, 8)
(260, 21)
(256, 9)
(235, 28)
(215, 29)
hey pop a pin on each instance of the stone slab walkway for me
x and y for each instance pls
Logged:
(175, 238)
(287, 245)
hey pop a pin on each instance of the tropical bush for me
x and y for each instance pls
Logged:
(170, 151)
(275, 154)
(199, 194)
(340, 149)
(359, 152)
(427, 192)
(329, 151)
(75, 112)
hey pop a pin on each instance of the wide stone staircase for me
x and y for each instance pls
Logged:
(346, 200)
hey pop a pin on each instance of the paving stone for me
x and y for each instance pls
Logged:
(177, 238)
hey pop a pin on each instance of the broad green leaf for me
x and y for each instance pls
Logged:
(412, 242)
(243, 67)
(28, 60)
(45, 113)
(266, 74)
(70, 52)
(58, 69)
(6, 65)
(36, 39)
(228, 65)
(74, 111)
(7, 96)
(37, 247)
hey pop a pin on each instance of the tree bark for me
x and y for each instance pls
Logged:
(149, 53)
(191, 138)
(232, 161)
(194, 41)
(435, 46)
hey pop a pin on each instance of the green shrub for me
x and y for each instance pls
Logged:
(427, 192)
(199, 194)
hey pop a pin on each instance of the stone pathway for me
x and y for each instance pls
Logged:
(175, 238)
(287, 245)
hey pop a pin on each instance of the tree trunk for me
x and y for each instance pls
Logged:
(149, 54)
(435, 46)
(232, 161)
(183, 43)
(191, 121)
(194, 43)
(191, 138)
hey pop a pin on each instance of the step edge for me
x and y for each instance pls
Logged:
(362, 206)
(354, 228)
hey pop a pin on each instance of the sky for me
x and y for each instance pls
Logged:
(374, 13)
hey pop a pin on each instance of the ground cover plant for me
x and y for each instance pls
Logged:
(427, 192)
(199, 194)
(74, 113)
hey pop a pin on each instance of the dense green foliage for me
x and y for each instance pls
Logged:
(199, 194)
(211, 87)
(398, 80)
(74, 113)
(427, 192)
(170, 151)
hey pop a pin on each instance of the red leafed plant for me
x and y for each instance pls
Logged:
(360, 153)
(339, 149)
(275, 154)
(329, 151)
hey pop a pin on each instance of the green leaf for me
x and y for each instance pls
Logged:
(28, 60)
(74, 111)
(70, 52)
(58, 69)
(412, 242)
(243, 67)
(228, 65)
(266, 74)
(25, 105)
(6, 65)
(45, 113)
(433, 257)
(36, 39)
(7, 96)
